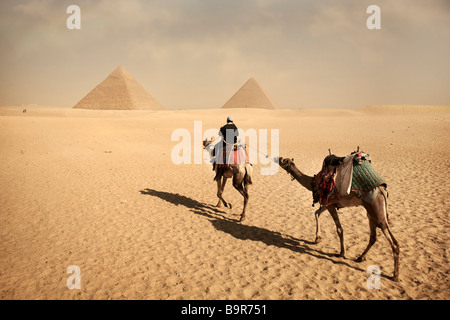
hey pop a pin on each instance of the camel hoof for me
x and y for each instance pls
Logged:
(395, 278)
(360, 259)
(340, 255)
(241, 219)
(318, 239)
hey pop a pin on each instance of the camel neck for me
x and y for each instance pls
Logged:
(304, 180)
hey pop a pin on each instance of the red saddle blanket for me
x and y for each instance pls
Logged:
(233, 155)
(325, 191)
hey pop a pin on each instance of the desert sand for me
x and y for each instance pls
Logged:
(98, 189)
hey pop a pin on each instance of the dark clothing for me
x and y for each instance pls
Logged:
(229, 132)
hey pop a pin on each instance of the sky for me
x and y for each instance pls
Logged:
(198, 53)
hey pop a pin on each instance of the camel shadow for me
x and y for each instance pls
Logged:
(177, 199)
(244, 232)
(277, 239)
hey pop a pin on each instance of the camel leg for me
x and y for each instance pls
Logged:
(379, 214)
(247, 181)
(238, 186)
(317, 215)
(390, 237)
(340, 231)
(220, 188)
(246, 197)
(395, 250)
(372, 240)
(219, 192)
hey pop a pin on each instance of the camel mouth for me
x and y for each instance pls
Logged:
(282, 160)
(207, 142)
(284, 163)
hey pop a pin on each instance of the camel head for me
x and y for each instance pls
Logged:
(285, 163)
(207, 142)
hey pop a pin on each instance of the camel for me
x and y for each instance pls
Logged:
(376, 213)
(242, 178)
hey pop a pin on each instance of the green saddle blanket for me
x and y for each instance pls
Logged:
(365, 178)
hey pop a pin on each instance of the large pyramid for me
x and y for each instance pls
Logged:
(119, 91)
(251, 95)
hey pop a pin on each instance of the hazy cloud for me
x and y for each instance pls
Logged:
(197, 53)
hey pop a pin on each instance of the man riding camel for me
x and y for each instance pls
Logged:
(229, 133)
(223, 150)
(230, 161)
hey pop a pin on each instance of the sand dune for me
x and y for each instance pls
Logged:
(97, 189)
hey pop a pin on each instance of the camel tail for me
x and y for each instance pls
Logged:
(385, 196)
(387, 218)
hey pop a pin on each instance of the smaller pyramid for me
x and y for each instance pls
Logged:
(251, 95)
(119, 91)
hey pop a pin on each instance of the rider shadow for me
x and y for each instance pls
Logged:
(178, 199)
(244, 232)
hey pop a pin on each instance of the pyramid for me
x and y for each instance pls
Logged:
(119, 91)
(251, 95)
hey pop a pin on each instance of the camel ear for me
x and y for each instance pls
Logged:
(292, 159)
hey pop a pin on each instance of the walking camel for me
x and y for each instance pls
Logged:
(376, 212)
(242, 178)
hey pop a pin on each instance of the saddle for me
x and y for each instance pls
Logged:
(341, 175)
(333, 160)
(229, 156)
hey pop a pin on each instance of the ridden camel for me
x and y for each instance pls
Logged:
(376, 212)
(242, 178)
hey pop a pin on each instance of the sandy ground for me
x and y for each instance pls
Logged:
(98, 189)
